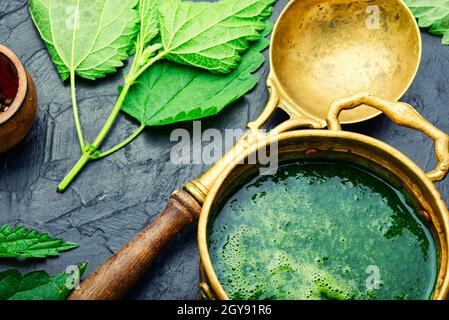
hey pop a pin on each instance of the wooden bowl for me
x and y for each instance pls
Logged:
(18, 100)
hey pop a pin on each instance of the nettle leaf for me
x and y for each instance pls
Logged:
(19, 242)
(149, 20)
(88, 37)
(211, 36)
(37, 285)
(169, 92)
(432, 14)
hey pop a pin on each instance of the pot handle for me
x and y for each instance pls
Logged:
(115, 277)
(402, 114)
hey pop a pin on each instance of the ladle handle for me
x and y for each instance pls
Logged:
(402, 114)
(115, 277)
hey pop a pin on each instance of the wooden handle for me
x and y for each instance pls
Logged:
(114, 278)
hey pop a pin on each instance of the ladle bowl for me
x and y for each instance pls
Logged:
(325, 50)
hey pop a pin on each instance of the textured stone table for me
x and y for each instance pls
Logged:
(114, 199)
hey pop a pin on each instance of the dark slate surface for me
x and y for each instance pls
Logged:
(116, 198)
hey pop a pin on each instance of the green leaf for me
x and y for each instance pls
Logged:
(211, 35)
(88, 37)
(149, 20)
(432, 14)
(19, 242)
(37, 285)
(169, 92)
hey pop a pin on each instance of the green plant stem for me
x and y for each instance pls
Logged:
(123, 144)
(132, 77)
(152, 61)
(76, 111)
(114, 114)
(89, 155)
(74, 172)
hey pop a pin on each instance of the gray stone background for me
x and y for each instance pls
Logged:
(115, 198)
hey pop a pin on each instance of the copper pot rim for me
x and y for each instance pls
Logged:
(22, 88)
(208, 269)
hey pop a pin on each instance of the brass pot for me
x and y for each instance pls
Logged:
(17, 86)
(321, 52)
(342, 145)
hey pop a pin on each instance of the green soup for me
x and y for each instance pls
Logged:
(322, 230)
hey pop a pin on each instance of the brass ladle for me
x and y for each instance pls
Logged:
(321, 50)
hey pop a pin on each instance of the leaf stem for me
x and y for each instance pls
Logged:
(123, 144)
(90, 152)
(76, 111)
(152, 61)
(74, 172)
(132, 77)
(111, 120)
